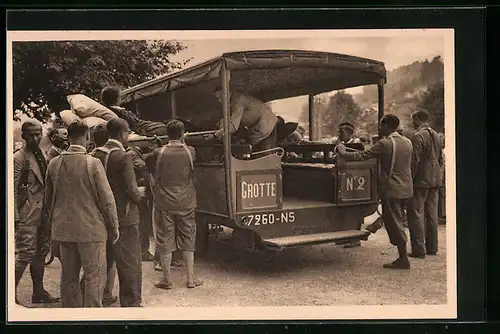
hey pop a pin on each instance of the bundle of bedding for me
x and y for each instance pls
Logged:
(89, 111)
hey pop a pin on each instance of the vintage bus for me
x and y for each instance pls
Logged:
(269, 201)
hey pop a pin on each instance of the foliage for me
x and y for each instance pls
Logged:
(44, 73)
(419, 84)
(433, 101)
(407, 88)
(332, 111)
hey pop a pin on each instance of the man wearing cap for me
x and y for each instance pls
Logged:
(426, 170)
(395, 181)
(32, 228)
(59, 140)
(251, 113)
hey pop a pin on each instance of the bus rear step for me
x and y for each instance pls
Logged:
(314, 239)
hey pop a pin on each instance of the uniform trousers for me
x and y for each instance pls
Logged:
(423, 220)
(392, 214)
(92, 257)
(128, 259)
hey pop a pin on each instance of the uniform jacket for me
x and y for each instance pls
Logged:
(174, 180)
(121, 177)
(249, 112)
(31, 210)
(427, 158)
(142, 173)
(53, 152)
(397, 185)
(81, 206)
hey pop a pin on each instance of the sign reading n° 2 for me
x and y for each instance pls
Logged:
(258, 190)
(355, 185)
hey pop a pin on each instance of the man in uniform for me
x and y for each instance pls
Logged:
(395, 181)
(59, 140)
(253, 114)
(426, 170)
(175, 203)
(145, 209)
(100, 137)
(120, 172)
(32, 228)
(81, 227)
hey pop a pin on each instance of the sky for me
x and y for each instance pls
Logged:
(393, 51)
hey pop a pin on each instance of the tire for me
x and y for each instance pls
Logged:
(201, 236)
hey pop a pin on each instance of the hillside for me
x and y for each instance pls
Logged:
(404, 89)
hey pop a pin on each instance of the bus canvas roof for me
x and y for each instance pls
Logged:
(266, 74)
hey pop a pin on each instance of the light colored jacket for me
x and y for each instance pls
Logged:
(427, 158)
(395, 184)
(31, 209)
(249, 112)
(79, 199)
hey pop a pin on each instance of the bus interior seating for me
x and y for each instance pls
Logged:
(306, 167)
(213, 151)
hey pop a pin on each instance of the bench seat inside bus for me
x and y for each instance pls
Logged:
(309, 181)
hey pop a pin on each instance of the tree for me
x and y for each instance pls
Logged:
(332, 111)
(433, 101)
(44, 73)
(342, 108)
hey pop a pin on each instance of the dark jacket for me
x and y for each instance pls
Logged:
(121, 177)
(398, 184)
(427, 158)
(81, 206)
(142, 173)
(53, 152)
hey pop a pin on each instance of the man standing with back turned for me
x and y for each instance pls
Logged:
(83, 214)
(426, 170)
(120, 171)
(395, 181)
(175, 204)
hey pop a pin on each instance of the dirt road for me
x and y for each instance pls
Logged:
(312, 276)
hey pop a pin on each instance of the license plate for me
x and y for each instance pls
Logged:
(356, 185)
(268, 218)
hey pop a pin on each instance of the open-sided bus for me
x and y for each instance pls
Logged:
(269, 201)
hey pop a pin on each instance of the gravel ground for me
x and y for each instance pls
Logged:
(311, 276)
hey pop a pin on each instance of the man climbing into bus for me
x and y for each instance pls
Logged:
(395, 181)
(251, 113)
(110, 98)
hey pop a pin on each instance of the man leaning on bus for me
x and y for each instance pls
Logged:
(248, 111)
(395, 153)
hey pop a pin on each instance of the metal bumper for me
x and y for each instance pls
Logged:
(314, 239)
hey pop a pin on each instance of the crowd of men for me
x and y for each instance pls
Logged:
(98, 199)
(86, 196)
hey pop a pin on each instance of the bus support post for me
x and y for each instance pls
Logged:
(312, 127)
(380, 101)
(225, 78)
